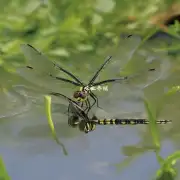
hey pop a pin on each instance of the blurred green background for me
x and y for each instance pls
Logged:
(76, 31)
(69, 29)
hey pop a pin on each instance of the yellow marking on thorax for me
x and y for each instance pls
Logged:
(79, 99)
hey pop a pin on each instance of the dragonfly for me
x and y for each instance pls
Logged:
(38, 65)
(44, 73)
(36, 59)
(80, 119)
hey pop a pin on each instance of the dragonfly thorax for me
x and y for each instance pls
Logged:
(86, 89)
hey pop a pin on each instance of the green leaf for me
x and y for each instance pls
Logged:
(166, 175)
(84, 47)
(167, 169)
(171, 159)
(59, 52)
(12, 46)
(172, 91)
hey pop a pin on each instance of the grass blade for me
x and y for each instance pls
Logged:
(152, 124)
(3, 172)
(51, 124)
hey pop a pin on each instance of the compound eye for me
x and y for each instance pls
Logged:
(83, 95)
(77, 94)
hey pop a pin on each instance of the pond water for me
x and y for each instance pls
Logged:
(116, 152)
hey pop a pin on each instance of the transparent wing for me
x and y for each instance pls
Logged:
(38, 60)
(59, 116)
(42, 72)
(35, 95)
(142, 66)
(45, 81)
(12, 104)
(136, 60)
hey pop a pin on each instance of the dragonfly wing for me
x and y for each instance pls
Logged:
(12, 104)
(142, 67)
(135, 60)
(42, 64)
(38, 60)
(44, 81)
(40, 70)
(36, 96)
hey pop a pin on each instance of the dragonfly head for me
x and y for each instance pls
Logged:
(80, 95)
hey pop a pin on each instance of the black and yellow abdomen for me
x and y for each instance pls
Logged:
(127, 121)
(91, 124)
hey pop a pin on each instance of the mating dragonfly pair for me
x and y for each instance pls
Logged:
(39, 68)
(80, 119)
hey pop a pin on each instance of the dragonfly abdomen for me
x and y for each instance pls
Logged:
(121, 121)
(127, 121)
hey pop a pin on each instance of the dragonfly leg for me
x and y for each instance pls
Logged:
(91, 94)
(95, 100)
(69, 123)
(82, 103)
(88, 106)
